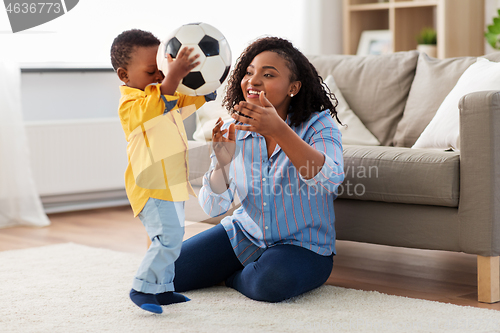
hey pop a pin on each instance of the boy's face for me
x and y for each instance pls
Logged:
(142, 69)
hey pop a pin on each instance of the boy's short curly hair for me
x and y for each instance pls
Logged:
(124, 45)
(313, 95)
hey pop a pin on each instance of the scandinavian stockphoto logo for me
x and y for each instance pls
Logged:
(25, 14)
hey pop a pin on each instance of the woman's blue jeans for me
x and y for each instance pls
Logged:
(281, 272)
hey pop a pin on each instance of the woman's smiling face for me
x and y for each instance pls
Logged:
(268, 72)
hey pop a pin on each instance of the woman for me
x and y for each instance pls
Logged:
(282, 155)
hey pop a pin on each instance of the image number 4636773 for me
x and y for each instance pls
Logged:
(26, 14)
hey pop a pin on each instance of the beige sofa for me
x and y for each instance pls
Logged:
(418, 198)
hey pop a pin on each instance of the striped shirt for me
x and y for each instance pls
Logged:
(279, 206)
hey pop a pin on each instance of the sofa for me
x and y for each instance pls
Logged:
(436, 198)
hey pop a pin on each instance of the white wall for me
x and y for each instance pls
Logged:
(84, 36)
(315, 26)
(323, 27)
(86, 32)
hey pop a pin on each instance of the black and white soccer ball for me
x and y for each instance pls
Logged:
(215, 57)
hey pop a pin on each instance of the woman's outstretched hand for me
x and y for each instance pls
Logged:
(267, 122)
(261, 119)
(224, 146)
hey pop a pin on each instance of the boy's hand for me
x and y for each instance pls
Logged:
(183, 64)
(178, 68)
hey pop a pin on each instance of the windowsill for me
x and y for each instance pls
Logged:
(58, 67)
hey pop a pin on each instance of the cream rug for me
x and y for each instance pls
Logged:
(75, 288)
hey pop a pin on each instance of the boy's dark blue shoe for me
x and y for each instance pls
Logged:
(171, 297)
(146, 302)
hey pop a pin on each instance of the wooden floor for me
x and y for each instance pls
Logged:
(432, 275)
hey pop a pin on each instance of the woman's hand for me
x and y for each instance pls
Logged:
(267, 122)
(261, 119)
(224, 147)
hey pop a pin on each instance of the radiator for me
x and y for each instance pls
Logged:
(78, 164)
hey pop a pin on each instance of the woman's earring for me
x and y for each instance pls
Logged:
(291, 95)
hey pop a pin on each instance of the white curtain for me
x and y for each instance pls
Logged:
(19, 200)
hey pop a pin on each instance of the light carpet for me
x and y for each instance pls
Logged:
(76, 288)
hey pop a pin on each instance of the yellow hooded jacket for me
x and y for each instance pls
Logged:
(157, 144)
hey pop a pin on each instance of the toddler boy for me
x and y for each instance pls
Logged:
(156, 179)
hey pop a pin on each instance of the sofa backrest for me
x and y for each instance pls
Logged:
(376, 87)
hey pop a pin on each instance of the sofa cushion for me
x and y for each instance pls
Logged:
(434, 79)
(352, 129)
(495, 56)
(444, 129)
(376, 87)
(207, 115)
(401, 175)
(199, 161)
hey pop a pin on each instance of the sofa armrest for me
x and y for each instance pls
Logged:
(479, 204)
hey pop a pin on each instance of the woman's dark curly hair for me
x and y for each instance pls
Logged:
(124, 44)
(313, 95)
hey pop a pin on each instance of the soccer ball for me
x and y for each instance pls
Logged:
(215, 57)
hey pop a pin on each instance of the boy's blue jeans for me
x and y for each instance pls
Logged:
(164, 223)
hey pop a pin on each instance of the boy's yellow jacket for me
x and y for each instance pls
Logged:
(157, 144)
